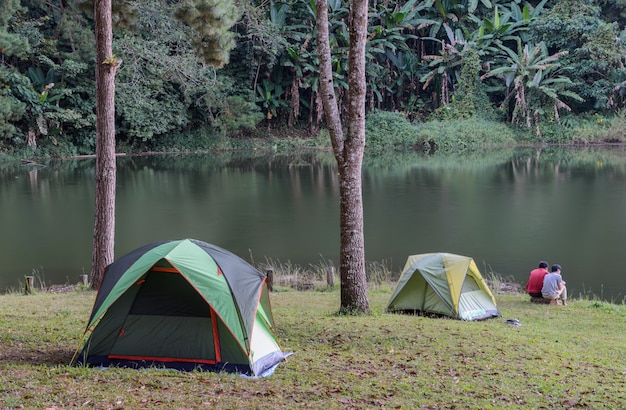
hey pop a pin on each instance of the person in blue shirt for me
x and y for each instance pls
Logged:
(554, 286)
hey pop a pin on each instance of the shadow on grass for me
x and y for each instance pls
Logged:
(37, 357)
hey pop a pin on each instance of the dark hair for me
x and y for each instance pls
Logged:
(543, 264)
(556, 267)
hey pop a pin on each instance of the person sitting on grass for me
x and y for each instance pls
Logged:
(554, 286)
(535, 282)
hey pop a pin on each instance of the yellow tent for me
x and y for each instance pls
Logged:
(443, 284)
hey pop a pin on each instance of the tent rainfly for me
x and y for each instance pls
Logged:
(443, 284)
(182, 304)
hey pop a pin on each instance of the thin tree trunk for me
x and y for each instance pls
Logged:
(348, 152)
(106, 66)
(327, 90)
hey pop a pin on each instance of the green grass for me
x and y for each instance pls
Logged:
(560, 357)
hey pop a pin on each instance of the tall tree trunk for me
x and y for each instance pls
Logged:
(106, 66)
(348, 151)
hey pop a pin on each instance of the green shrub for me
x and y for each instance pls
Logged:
(191, 141)
(581, 129)
(322, 140)
(389, 130)
(470, 98)
(237, 114)
(465, 133)
(616, 128)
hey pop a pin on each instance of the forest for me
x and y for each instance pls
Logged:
(509, 71)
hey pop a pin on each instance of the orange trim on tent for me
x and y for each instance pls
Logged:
(164, 269)
(162, 359)
(216, 336)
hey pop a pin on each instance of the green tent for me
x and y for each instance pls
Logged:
(182, 304)
(443, 284)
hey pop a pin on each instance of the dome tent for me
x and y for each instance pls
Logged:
(182, 304)
(443, 284)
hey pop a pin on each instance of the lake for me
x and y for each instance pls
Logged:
(508, 209)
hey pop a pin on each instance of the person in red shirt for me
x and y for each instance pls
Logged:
(535, 282)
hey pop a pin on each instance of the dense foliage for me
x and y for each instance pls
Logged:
(541, 66)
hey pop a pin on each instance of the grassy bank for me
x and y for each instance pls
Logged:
(386, 132)
(560, 357)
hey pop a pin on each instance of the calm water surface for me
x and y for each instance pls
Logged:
(508, 210)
